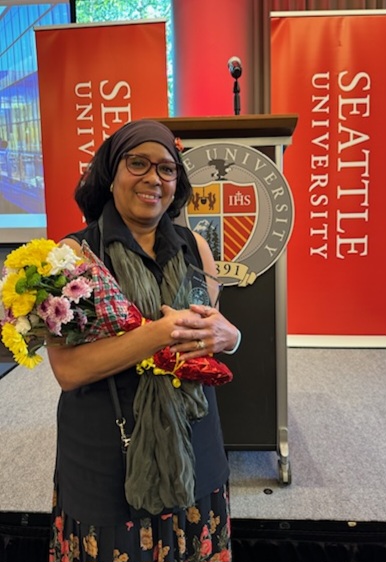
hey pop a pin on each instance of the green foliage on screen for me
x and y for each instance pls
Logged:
(88, 11)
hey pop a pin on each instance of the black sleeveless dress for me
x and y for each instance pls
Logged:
(91, 518)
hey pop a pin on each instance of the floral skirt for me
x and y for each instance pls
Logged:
(200, 533)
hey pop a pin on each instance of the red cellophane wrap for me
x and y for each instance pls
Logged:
(116, 314)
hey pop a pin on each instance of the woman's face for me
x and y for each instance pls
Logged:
(143, 199)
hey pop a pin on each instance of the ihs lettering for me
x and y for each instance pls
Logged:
(239, 199)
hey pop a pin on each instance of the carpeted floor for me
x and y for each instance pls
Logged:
(336, 414)
(333, 511)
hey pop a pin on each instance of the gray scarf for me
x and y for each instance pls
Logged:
(160, 457)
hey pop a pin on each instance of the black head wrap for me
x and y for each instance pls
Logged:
(135, 133)
(93, 191)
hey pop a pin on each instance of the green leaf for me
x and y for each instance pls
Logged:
(60, 281)
(41, 296)
(223, 540)
(21, 286)
(34, 280)
(30, 271)
(74, 338)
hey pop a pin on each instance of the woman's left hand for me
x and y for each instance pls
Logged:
(210, 332)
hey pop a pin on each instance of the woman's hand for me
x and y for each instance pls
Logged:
(205, 332)
(75, 366)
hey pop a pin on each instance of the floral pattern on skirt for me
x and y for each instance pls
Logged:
(199, 534)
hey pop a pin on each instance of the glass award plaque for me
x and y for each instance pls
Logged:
(197, 287)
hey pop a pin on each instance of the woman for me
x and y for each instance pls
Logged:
(134, 186)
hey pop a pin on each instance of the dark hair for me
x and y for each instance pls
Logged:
(93, 189)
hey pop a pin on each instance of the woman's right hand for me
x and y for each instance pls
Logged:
(75, 366)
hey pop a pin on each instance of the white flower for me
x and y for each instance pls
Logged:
(22, 325)
(62, 257)
(34, 320)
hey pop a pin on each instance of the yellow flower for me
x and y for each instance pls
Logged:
(146, 538)
(90, 544)
(17, 259)
(19, 304)
(213, 522)
(27, 360)
(181, 544)
(12, 339)
(9, 291)
(44, 269)
(163, 551)
(73, 542)
(193, 515)
(180, 536)
(24, 304)
(118, 557)
(33, 253)
(15, 342)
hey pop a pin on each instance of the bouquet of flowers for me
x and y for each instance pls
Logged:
(49, 291)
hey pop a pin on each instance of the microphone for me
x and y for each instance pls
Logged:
(234, 65)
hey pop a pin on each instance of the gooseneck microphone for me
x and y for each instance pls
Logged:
(235, 68)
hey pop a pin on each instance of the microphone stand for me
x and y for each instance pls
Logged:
(236, 97)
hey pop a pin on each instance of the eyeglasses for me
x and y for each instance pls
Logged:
(141, 165)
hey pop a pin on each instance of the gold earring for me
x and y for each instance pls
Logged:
(111, 187)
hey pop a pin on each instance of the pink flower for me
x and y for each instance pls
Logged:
(206, 543)
(206, 548)
(81, 319)
(59, 527)
(43, 308)
(225, 555)
(54, 327)
(56, 311)
(8, 317)
(204, 532)
(59, 523)
(77, 289)
(78, 271)
(60, 309)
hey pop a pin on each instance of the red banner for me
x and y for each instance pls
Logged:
(331, 71)
(92, 80)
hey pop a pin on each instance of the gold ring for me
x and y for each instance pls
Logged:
(200, 344)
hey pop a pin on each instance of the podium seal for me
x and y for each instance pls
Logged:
(243, 207)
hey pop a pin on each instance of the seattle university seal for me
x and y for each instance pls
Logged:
(243, 207)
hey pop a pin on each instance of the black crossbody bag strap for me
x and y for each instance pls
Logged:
(119, 419)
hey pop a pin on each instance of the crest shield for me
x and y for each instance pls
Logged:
(225, 213)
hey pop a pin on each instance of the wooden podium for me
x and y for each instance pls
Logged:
(253, 408)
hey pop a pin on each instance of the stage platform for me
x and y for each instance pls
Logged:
(334, 509)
